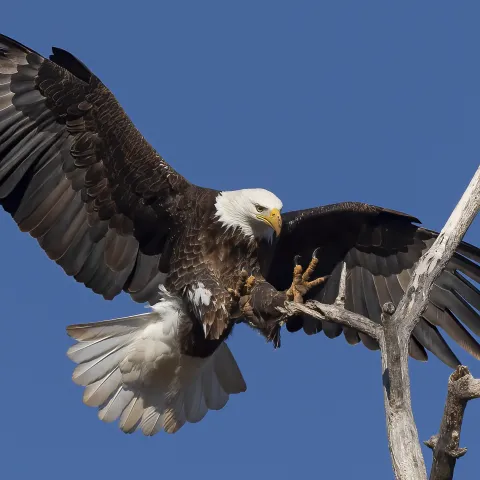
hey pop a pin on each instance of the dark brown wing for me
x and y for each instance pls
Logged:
(77, 175)
(380, 247)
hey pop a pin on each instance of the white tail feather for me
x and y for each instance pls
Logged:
(97, 393)
(107, 328)
(88, 350)
(132, 369)
(152, 421)
(115, 405)
(132, 415)
(195, 406)
(215, 396)
(97, 368)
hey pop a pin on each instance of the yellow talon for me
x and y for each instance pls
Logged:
(249, 284)
(243, 287)
(301, 283)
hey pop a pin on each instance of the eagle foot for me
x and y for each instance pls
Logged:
(243, 286)
(301, 283)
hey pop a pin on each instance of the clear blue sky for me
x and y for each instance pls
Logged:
(317, 101)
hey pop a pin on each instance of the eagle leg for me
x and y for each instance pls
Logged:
(301, 283)
(243, 286)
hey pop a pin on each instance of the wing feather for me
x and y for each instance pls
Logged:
(380, 248)
(77, 175)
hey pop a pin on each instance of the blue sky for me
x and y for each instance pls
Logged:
(317, 101)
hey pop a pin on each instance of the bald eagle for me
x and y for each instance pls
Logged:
(104, 205)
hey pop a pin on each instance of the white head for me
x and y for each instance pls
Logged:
(255, 211)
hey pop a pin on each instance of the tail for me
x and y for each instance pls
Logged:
(132, 369)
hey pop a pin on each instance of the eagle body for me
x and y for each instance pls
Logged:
(173, 365)
(78, 176)
(205, 260)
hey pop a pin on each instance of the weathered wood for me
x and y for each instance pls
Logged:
(407, 458)
(394, 336)
(334, 313)
(403, 442)
(340, 300)
(462, 387)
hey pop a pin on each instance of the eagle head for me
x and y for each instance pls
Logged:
(254, 211)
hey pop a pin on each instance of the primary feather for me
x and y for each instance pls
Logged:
(78, 176)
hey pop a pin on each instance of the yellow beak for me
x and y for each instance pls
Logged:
(274, 220)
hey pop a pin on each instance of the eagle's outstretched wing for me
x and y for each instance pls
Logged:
(77, 175)
(380, 247)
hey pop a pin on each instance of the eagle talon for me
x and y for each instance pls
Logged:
(301, 283)
(243, 286)
(249, 284)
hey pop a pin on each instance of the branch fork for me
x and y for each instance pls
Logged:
(393, 336)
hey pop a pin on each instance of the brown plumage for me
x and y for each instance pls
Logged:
(77, 175)
(380, 247)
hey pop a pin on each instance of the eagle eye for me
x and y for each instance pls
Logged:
(260, 209)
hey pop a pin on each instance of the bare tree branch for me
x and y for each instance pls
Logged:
(403, 442)
(394, 335)
(462, 387)
(340, 300)
(404, 445)
(333, 313)
(434, 261)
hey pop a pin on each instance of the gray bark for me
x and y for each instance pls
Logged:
(462, 387)
(393, 337)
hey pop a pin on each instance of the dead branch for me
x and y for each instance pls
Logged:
(462, 387)
(334, 313)
(394, 336)
(340, 300)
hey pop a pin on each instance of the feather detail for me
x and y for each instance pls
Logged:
(133, 369)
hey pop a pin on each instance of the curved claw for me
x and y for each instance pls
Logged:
(301, 283)
(243, 286)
